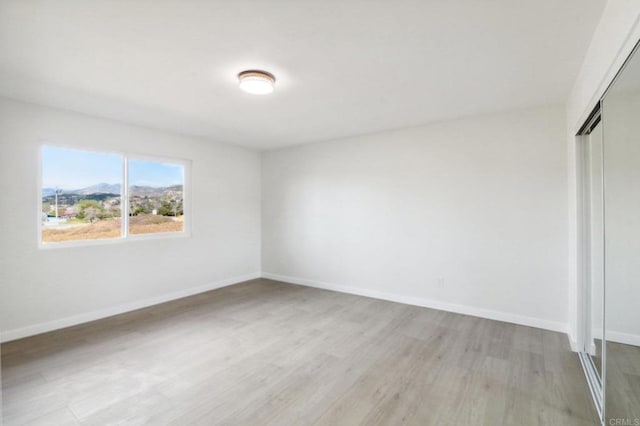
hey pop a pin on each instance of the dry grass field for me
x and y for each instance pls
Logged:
(151, 224)
(105, 229)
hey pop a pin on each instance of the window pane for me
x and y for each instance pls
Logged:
(80, 195)
(156, 203)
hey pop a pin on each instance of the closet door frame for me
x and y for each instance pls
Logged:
(585, 335)
(598, 393)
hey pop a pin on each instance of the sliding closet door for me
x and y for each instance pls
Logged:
(621, 126)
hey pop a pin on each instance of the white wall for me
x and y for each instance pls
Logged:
(467, 215)
(613, 40)
(51, 288)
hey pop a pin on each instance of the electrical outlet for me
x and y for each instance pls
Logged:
(440, 282)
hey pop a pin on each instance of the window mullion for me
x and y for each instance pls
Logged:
(125, 195)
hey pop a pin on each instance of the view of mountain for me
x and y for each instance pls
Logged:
(149, 191)
(164, 201)
(48, 191)
(101, 188)
(106, 188)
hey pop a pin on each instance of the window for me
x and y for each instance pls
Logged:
(156, 203)
(81, 195)
(88, 196)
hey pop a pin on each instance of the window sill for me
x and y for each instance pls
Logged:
(110, 241)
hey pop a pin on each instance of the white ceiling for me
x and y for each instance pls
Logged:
(343, 67)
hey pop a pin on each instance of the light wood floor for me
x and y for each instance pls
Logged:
(623, 383)
(265, 352)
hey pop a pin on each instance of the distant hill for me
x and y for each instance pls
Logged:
(100, 188)
(114, 190)
(48, 191)
(70, 199)
(149, 191)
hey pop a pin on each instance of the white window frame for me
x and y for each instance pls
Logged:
(124, 194)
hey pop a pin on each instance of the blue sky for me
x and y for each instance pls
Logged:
(74, 169)
(150, 173)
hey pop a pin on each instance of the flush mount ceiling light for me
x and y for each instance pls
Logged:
(256, 82)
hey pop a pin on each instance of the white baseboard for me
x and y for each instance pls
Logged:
(426, 303)
(31, 330)
(573, 344)
(34, 329)
(619, 337)
(615, 337)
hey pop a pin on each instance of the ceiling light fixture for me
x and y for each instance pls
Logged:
(256, 82)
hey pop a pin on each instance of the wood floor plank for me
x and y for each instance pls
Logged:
(265, 352)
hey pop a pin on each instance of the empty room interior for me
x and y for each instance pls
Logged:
(320, 212)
